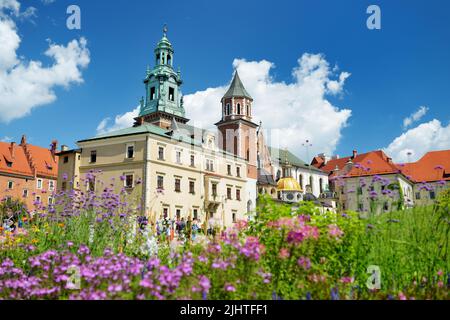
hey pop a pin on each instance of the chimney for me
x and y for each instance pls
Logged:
(12, 148)
(64, 148)
(53, 148)
(355, 153)
(24, 140)
(389, 160)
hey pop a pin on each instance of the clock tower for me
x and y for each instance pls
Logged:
(238, 134)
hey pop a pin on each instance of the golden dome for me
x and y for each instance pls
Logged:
(288, 184)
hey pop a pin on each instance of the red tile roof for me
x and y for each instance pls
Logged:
(366, 164)
(45, 163)
(19, 162)
(28, 160)
(433, 166)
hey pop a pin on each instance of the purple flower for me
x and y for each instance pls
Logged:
(229, 288)
(204, 283)
(304, 262)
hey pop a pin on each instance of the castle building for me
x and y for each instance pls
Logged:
(368, 182)
(28, 173)
(168, 167)
(430, 176)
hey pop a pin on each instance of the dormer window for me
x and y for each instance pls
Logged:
(9, 164)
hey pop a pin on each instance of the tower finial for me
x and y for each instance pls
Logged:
(165, 30)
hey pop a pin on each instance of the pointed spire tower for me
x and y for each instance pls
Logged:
(163, 99)
(238, 132)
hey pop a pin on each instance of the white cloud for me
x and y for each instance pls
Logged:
(415, 117)
(121, 121)
(47, 1)
(6, 139)
(420, 140)
(291, 112)
(25, 85)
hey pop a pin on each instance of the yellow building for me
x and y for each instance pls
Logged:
(167, 167)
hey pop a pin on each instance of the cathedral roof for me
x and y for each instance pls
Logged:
(265, 178)
(281, 156)
(288, 184)
(237, 89)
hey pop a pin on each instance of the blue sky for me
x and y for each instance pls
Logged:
(394, 71)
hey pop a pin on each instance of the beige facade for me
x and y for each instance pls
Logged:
(352, 196)
(168, 177)
(69, 170)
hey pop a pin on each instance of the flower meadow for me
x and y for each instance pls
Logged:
(91, 246)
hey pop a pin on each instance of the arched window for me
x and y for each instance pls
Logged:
(163, 59)
(228, 109)
(248, 110)
(321, 185)
(158, 58)
(278, 175)
(249, 205)
(301, 182)
(238, 108)
(311, 183)
(169, 59)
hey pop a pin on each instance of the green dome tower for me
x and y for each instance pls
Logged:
(163, 100)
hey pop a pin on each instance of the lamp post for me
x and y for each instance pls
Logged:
(308, 144)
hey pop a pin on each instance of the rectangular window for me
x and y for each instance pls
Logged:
(25, 193)
(38, 199)
(192, 161)
(178, 212)
(195, 211)
(432, 195)
(39, 184)
(234, 217)
(177, 185)
(229, 169)
(214, 189)
(93, 156)
(165, 212)
(191, 187)
(10, 184)
(64, 185)
(360, 191)
(238, 171)
(152, 93)
(178, 157)
(160, 153)
(238, 194)
(229, 193)
(129, 183)
(160, 182)
(209, 165)
(171, 94)
(130, 152)
(50, 201)
(417, 195)
(51, 185)
(66, 159)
